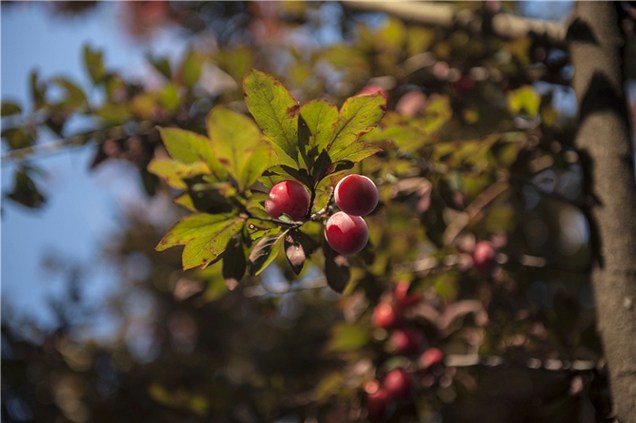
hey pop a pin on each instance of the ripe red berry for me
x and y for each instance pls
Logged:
(378, 401)
(399, 383)
(402, 296)
(385, 316)
(405, 341)
(464, 85)
(288, 197)
(484, 256)
(346, 234)
(431, 357)
(356, 195)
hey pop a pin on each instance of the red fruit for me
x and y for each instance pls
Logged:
(378, 401)
(356, 195)
(405, 341)
(402, 296)
(431, 357)
(385, 316)
(464, 85)
(290, 198)
(399, 383)
(484, 256)
(346, 234)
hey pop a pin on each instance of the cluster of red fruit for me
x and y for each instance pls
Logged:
(346, 231)
(399, 384)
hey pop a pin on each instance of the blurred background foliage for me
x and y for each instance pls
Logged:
(476, 146)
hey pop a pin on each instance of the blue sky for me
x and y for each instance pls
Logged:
(84, 207)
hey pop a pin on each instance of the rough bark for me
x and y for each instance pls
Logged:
(604, 138)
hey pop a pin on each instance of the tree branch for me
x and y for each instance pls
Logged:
(504, 25)
(603, 137)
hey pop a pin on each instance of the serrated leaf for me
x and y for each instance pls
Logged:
(234, 263)
(354, 152)
(274, 109)
(319, 118)
(347, 337)
(174, 172)
(94, 63)
(336, 269)
(188, 147)
(9, 108)
(358, 115)
(238, 144)
(264, 252)
(205, 237)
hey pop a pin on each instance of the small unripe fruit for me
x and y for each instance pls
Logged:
(484, 256)
(405, 341)
(399, 383)
(290, 198)
(378, 401)
(346, 234)
(385, 316)
(356, 195)
(431, 357)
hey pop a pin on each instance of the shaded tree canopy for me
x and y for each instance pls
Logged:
(476, 298)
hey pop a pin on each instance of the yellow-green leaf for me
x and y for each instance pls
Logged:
(205, 237)
(274, 109)
(524, 99)
(174, 172)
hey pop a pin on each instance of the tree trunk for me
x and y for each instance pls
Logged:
(604, 138)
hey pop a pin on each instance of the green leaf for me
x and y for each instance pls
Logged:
(336, 269)
(74, 96)
(174, 172)
(205, 237)
(38, 90)
(17, 138)
(274, 109)
(264, 252)
(347, 337)
(358, 115)
(94, 63)
(234, 263)
(161, 65)
(191, 68)
(237, 143)
(524, 99)
(320, 119)
(298, 247)
(188, 147)
(9, 108)
(25, 190)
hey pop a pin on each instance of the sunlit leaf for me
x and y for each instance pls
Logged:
(188, 147)
(205, 237)
(274, 109)
(174, 172)
(524, 99)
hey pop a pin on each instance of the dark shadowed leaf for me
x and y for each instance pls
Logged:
(298, 247)
(9, 108)
(336, 269)
(234, 263)
(25, 191)
(161, 65)
(264, 252)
